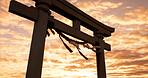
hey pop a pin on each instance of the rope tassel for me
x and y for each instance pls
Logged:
(73, 42)
(52, 31)
(66, 45)
(82, 54)
(77, 46)
(47, 33)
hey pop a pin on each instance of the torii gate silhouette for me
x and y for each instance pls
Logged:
(41, 16)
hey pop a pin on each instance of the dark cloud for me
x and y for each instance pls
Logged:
(56, 61)
(130, 73)
(116, 74)
(54, 46)
(76, 68)
(45, 60)
(14, 74)
(140, 34)
(18, 75)
(130, 63)
(134, 17)
(9, 58)
(125, 54)
(81, 64)
(81, 61)
(141, 72)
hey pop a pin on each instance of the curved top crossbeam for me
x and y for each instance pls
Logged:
(71, 12)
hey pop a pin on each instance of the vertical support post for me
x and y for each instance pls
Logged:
(35, 61)
(76, 24)
(100, 58)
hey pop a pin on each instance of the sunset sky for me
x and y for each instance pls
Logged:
(128, 58)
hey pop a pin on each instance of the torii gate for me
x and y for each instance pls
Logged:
(41, 16)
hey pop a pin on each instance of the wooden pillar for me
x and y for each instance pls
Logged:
(100, 59)
(76, 24)
(35, 61)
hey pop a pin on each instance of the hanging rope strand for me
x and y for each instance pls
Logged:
(65, 45)
(73, 42)
(82, 54)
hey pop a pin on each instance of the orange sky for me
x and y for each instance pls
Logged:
(128, 58)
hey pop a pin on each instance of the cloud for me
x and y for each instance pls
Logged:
(53, 44)
(14, 74)
(135, 62)
(140, 34)
(55, 61)
(123, 54)
(129, 44)
(132, 63)
(96, 8)
(11, 38)
(128, 38)
(10, 20)
(130, 71)
(128, 7)
(138, 16)
(111, 5)
(77, 68)
(27, 2)
(97, 5)
(78, 64)
(61, 18)
(4, 31)
(72, 1)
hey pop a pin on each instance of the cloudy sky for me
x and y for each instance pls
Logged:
(128, 58)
